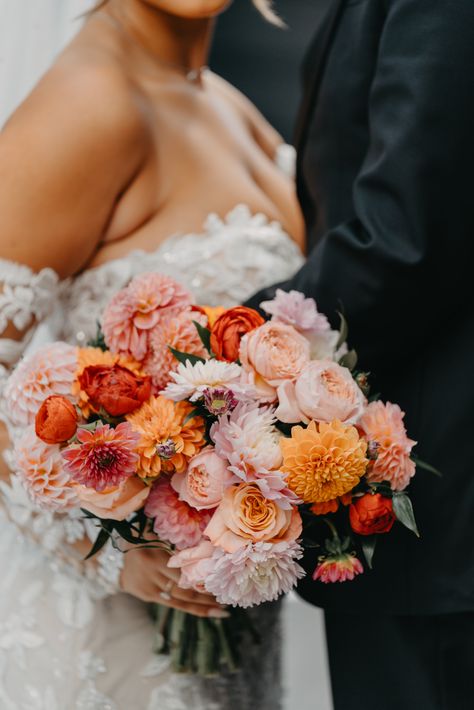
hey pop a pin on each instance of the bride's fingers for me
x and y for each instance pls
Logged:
(201, 610)
(168, 588)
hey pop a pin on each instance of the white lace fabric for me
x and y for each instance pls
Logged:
(65, 642)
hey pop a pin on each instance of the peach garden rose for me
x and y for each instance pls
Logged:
(245, 516)
(115, 503)
(202, 485)
(274, 353)
(324, 391)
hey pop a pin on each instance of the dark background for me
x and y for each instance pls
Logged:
(264, 61)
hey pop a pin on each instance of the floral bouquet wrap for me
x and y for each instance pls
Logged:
(222, 437)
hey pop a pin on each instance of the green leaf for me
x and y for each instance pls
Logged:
(368, 544)
(403, 510)
(186, 357)
(349, 360)
(426, 466)
(204, 334)
(101, 540)
(195, 413)
(343, 331)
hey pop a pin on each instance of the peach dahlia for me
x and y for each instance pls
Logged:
(324, 461)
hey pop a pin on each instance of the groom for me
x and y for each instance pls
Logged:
(385, 179)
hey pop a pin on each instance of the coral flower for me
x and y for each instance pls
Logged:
(174, 520)
(167, 440)
(325, 462)
(40, 468)
(229, 329)
(382, 425)
(135, 311)
(56, 421)
(48, 371)
(338, 569)
(372, 514)
(95, 357)
(331, 506)
(178, 333)
(104, 457)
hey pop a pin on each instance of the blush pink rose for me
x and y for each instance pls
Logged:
(323, 392)
(116, 503)
(202, 485)
(195, 564)
(245, 515)
(274, 353)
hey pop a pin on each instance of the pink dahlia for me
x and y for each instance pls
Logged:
(104, 457)
(179, 333)
(174, 520)
(49, 371)
(137, 309)
(382, 426)
(40, 468)
(293, 308)
(338, 569)
(256, 573)
(249, 441)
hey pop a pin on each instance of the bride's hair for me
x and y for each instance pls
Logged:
(263, 6)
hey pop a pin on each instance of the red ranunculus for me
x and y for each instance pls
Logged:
(229, 329)
(114, 388)
(371, 514)
(56, 420)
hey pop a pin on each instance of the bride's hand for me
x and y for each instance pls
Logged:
(146, 575)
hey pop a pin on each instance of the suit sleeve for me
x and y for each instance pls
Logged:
(401, 269)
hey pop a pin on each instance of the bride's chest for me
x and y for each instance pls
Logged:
(202, 158)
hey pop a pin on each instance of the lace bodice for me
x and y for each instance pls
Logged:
(223, 265)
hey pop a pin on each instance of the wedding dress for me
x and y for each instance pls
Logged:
(70, 641)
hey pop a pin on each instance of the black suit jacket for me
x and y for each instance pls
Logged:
(386, 156)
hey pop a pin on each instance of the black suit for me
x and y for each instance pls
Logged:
(386, 154)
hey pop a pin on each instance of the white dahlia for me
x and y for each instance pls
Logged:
(248, 439)
(192, 381)
(256, 573)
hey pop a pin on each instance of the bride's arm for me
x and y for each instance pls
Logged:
(65, 157)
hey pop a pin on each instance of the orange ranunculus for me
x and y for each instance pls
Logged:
(114, 388)
(371, 514)
(229, 329)
(56, 420)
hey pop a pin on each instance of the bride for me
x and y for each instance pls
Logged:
(129, 156)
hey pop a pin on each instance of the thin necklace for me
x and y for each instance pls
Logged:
(191, 75)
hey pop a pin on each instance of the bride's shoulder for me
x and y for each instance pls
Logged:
(261, 130)
(69, 151)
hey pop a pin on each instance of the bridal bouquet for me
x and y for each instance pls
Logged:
(223, 437)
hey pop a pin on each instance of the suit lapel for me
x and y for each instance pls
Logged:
(314, 67)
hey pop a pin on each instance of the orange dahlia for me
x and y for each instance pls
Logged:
(95, 356)
(167, 440)
(331, 506)
(324, 461)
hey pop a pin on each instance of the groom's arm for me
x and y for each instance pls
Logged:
(402, 268)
